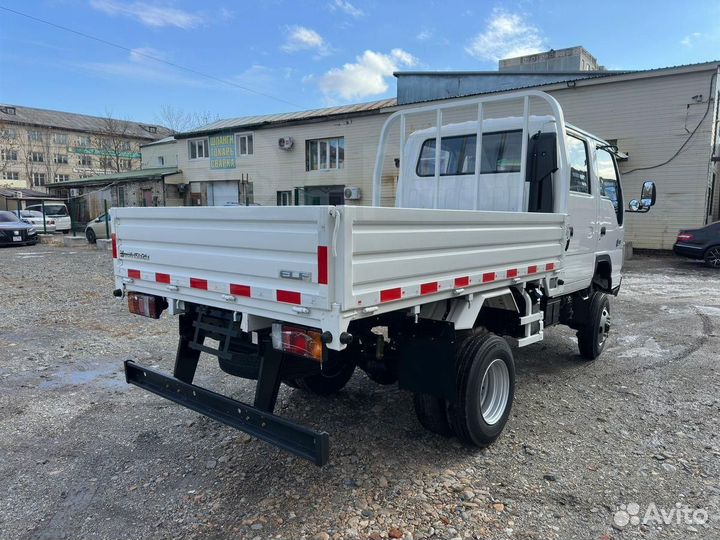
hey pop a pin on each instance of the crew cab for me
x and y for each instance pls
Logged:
(503, 226)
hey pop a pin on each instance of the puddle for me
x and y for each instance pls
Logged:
(106, 377)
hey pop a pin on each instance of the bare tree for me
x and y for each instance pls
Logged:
(27, 148)
(177, 120)
(115, 143)
(9, 148)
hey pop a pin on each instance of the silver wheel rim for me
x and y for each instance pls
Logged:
(495, 391)
(604, 328)
(713, 257)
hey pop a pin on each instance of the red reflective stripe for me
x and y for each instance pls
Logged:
(114, 246)
(162, 278)
(322, 265)
(512, 272)
(532, 269)
(462, 281)
(196, 283)
(488, 277)
(389, 295)
(239, 290)
(135, 274)
(289, 297)
(550, 266)
(429, 288)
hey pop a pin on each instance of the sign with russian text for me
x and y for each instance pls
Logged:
(222, 152)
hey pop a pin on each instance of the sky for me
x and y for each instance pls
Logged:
(229, 59)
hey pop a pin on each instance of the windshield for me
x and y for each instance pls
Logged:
(56, 210)
(7, 217)
(51, 209)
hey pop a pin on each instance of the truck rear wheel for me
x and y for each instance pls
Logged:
(431, 412)
(593, 335)
(333, 377)
(486, 386)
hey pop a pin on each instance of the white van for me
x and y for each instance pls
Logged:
(58, 211)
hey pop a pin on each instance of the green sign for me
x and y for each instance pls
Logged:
(99, 152)
(222, 152)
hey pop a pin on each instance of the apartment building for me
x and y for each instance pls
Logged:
(40, 147)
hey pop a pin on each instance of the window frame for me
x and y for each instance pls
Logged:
(61, 159)
(249, 136)
(8, 154)
(192, 143)
(38, 179)
(60, 177)
(60, 138)
(37, 157)
(85, 157)
(619, 209)
(35, 136)
(326, 141)
(10, 175)
(285, 194)
(477, 166)
(590, 192)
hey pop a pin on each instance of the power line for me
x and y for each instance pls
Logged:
(150, 57)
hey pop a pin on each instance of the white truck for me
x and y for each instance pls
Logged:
(502, 227)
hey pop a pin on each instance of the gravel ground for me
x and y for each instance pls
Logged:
(83, 455)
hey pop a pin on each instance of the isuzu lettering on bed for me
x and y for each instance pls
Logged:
(504, 224)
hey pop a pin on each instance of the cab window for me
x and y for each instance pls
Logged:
(578, 161)
(609, 182)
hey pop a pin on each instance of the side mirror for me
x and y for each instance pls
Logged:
(648, 196)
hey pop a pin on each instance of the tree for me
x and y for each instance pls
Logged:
(177, 120)
(114, 140)
(9, 148)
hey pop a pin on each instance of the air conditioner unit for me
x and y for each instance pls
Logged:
(74, 192)
(285, 143)
(353, 193)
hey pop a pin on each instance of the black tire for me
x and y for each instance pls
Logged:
(431, 412)
(335, 374)
(90, 235)
(592, 336)
(478, 357)
(712, 257)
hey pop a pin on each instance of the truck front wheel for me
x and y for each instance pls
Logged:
(486, 386)
(593, 335)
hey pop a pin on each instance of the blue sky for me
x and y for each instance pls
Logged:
(306, 54)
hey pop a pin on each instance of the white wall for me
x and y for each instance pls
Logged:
(150, 154)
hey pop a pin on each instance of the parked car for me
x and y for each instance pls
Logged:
(96, 228)
(57, 211)
(14, 231)
(703, 243)
(36, 218)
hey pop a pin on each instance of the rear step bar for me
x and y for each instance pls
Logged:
(294, 438)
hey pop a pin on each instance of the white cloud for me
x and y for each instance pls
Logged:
(424, 35)
(690, 39)
(367, 76)
(300, 38)
(506, 35)
(347, 7)
(149, 14)
(138, 66)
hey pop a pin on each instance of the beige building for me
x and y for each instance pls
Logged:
(665, 120)
(40, 147)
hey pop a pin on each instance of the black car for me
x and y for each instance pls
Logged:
(701, 244)
(14, 231)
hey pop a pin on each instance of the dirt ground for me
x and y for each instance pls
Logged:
(602, 450)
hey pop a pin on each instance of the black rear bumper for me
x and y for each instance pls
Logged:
(294, 438)
(689, 250)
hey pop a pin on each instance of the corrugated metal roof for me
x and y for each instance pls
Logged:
(524, 79)
(128, 176)
(267, 119)
(11, 193)
(76, 122)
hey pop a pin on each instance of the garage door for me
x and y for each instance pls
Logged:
(223, 193)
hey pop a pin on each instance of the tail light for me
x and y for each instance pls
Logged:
(114, 246)
(298, 341)
(51, 222)
(146, 305)
(684, 237)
